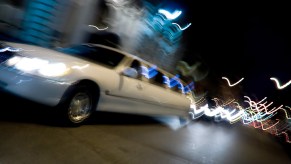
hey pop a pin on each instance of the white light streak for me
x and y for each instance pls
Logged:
(10, 49)
(100, 29)
(184, 28)
(279, 86)
(231, 85)
(80, 67)
(169, 15)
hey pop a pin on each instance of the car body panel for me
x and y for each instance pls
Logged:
(118, 93)
(37, 89)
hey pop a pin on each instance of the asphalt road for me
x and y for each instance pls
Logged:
(29, 134)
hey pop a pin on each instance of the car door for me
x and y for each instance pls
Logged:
(130, 88)
(157, 92)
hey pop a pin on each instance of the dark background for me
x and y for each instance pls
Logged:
(242, 40)
(235, 40)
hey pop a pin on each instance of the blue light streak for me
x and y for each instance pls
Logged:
(171, 82)
(175, 81)
(149, 72)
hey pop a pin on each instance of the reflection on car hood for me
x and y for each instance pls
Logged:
(44, 53)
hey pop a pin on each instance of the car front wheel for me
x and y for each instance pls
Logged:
(78, 106)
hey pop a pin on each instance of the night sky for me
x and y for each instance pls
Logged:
(242, 40)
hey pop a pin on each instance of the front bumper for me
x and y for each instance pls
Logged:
(34, 88)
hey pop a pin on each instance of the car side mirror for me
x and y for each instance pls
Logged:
(130, 72)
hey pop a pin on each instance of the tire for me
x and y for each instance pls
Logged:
(78, 106)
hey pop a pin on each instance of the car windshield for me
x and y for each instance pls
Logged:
(95, 54)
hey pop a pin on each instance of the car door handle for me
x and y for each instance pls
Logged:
(139, 86)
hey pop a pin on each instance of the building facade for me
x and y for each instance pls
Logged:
(141, 27)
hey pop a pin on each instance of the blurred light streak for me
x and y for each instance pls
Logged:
(217, 112)
(231, 85)
(184, 28)
(262, 105)
(200, 101)
(80, 67)
(169, 15)
(266, 124)
(226, 114)
(193, 109)
(149, 72)
(272, 110)
(287, 138)
(216, 100)
(187, 70)
(256, 114)
(100, 29)
(286, 113)
(255, 111)
(263, 125)
(279, 86)
(213, 112)
(189, 87)
(196, 113)
(175, 81)
(236, 117)
(239, 115)
(171, 82)
(10, 49)
(251, 116)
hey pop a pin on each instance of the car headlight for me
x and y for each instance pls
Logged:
(38, 66)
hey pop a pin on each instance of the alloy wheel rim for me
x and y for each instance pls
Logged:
(80, 107)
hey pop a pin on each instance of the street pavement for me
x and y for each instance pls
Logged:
(29, 134)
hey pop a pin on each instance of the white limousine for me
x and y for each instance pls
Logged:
(85, 78)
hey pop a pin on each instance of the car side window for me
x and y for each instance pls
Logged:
(159, 79)
(174, 83)
(109, 57)
(137, 66)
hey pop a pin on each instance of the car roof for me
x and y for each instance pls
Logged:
(132, 56)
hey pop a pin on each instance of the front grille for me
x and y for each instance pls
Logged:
(5, 56)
